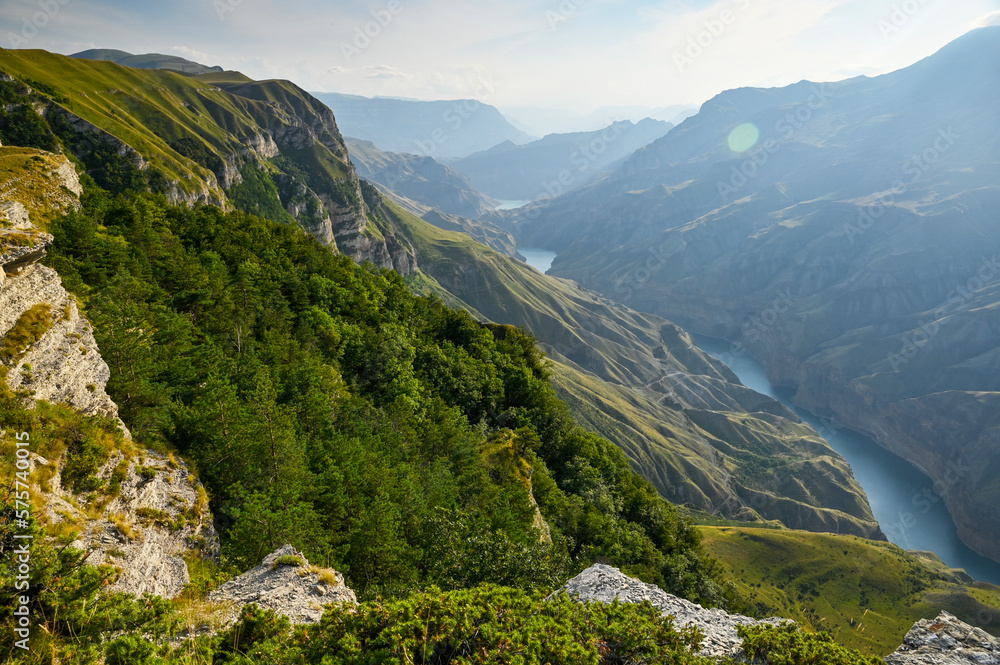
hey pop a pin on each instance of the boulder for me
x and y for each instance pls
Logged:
(946, 641)
(299, 592)
(606, 583)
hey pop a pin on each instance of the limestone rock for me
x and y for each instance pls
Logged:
(946, 641)
(65, 365)
(298, 592)
(159, 515)
(21, 244)
(605, 583)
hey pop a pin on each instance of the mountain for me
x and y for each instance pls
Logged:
(851, 247)
(543, 121)
(551, 165)
(422, 179)
(331, 412)
(684, 420)
(438, 129)
(264, 147)
(147, 61)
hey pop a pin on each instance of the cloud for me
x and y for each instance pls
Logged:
(384, 72)
(988, 20)
(193, 54)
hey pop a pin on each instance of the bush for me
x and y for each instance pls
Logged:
(490, 624)
(83, 459)
(287, 560)
(256, 638)
(787, 644)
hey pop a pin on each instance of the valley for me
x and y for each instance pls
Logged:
(904, 500)
(851, 251)
(337, 378)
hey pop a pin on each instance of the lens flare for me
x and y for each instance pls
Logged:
(743, 137)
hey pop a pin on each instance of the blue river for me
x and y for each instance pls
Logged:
(903, 499)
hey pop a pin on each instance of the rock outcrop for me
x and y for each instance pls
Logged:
(299, 592)
(150, 512)
(606, 583)
(159, 516)
(946, 641)
(63, 365)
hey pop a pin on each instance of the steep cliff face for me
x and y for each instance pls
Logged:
(57, 359)
(265, 147)
(139, 511)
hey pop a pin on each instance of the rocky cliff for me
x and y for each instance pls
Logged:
(158, 518)
(265, 147)
(59, 362)
(139, 511)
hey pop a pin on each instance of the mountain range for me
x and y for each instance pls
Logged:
(438, 129)
(272, 149)
(820, 227)
(843, 233)
(551, 165)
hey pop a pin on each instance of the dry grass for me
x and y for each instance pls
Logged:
(197, 615)
(125, 527)
(327, 577)
(28, 329)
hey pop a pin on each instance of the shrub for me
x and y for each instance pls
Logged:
(287, 560)
(787, 644)
(84, 458)
(490, 624)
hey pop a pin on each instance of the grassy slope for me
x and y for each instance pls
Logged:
(27, 176)
(680, 414)
(867, 594)
(150, 109)
(683, 420)
(146, 109)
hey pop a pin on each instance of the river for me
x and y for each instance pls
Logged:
(903, 499)
(539, 259)
(503, 204)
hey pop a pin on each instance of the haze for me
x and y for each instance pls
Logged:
(576, 55)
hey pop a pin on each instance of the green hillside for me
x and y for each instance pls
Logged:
(264, 147)
(866, 594)
(682, 417)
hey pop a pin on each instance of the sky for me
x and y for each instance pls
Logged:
(577, 55)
